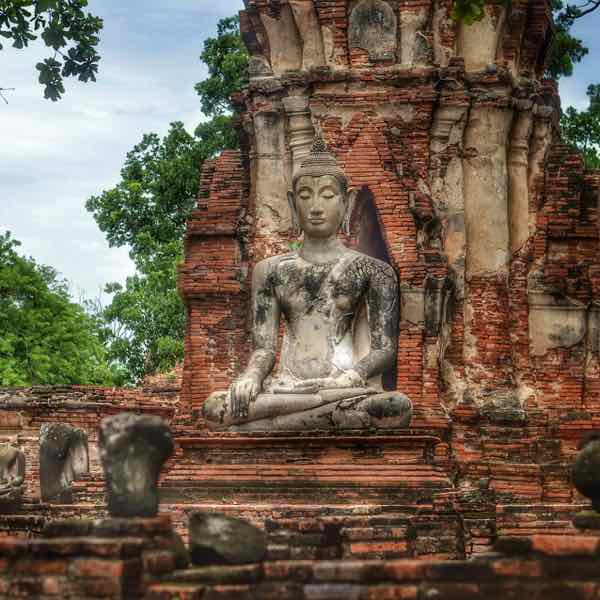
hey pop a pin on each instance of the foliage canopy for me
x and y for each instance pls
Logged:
(46, 338)
(582, 128)
(148, 209)
(65, 27)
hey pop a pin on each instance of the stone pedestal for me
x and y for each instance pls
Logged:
(321, 496)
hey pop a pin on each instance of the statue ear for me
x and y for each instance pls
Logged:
(351, 196)
(295, 220)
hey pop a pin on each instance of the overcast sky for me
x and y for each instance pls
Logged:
(53, 156)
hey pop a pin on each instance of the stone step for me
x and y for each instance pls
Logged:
(395, 467)
(318, 532)
(176, 591)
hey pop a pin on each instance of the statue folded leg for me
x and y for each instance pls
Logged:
(362, 410)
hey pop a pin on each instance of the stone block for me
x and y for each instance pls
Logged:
(218, 539)
(133, 449)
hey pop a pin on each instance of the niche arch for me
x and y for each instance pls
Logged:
(367, 238)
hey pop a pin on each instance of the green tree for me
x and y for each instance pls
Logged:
(145, 320)
(566, 50)
(46, 338)
(65, 27)
(148, 209)
(227, 61)
(582, 128)
(150, 204)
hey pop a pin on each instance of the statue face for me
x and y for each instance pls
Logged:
(321, 205)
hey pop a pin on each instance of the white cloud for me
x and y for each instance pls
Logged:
(53, 156)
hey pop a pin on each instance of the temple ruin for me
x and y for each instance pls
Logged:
(449, 134)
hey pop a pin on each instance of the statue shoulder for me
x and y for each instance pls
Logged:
(268, 267)
(375, 266)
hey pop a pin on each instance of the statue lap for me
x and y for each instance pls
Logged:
(384, 410)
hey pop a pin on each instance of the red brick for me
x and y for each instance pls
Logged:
(565, 545)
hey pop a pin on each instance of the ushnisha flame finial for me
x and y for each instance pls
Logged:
(320, 161)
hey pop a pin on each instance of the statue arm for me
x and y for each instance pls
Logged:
(20, 463)
(265, 327)
(382, 300)
(265, 321)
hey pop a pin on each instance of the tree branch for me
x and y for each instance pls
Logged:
(5, 90)
(576, 12)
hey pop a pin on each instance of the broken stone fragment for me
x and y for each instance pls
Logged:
(63, 459)
(180, 552)
(218, 539)
(586, 475)
(133, 450)
(12, 475)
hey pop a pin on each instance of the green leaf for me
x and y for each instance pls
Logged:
(66, 28)
(44, 5)
(46, 338)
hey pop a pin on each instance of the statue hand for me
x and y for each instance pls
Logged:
(347, 379)
(241, 393)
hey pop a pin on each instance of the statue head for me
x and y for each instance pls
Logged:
(320, 200)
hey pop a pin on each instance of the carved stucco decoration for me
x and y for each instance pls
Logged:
(373, 26)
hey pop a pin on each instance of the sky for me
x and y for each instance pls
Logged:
(55, 155)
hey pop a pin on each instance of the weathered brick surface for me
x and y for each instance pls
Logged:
(112, 558)
(540, 567)
(24, 411)
(503, 393)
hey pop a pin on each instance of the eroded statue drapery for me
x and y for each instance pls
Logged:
(327, 378)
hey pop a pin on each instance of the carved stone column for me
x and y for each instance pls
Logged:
(447, 192)
(541, 138)
(478, 42)
(486, 193)
(487, 349)
(446, 177)
(518, 165)
(270, 181)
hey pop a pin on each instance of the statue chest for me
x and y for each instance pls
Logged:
(323, 299)
(319, 314)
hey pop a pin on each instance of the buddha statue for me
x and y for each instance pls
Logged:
(341, 310)
(12, 474)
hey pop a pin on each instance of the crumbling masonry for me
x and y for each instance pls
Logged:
(451, 135)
